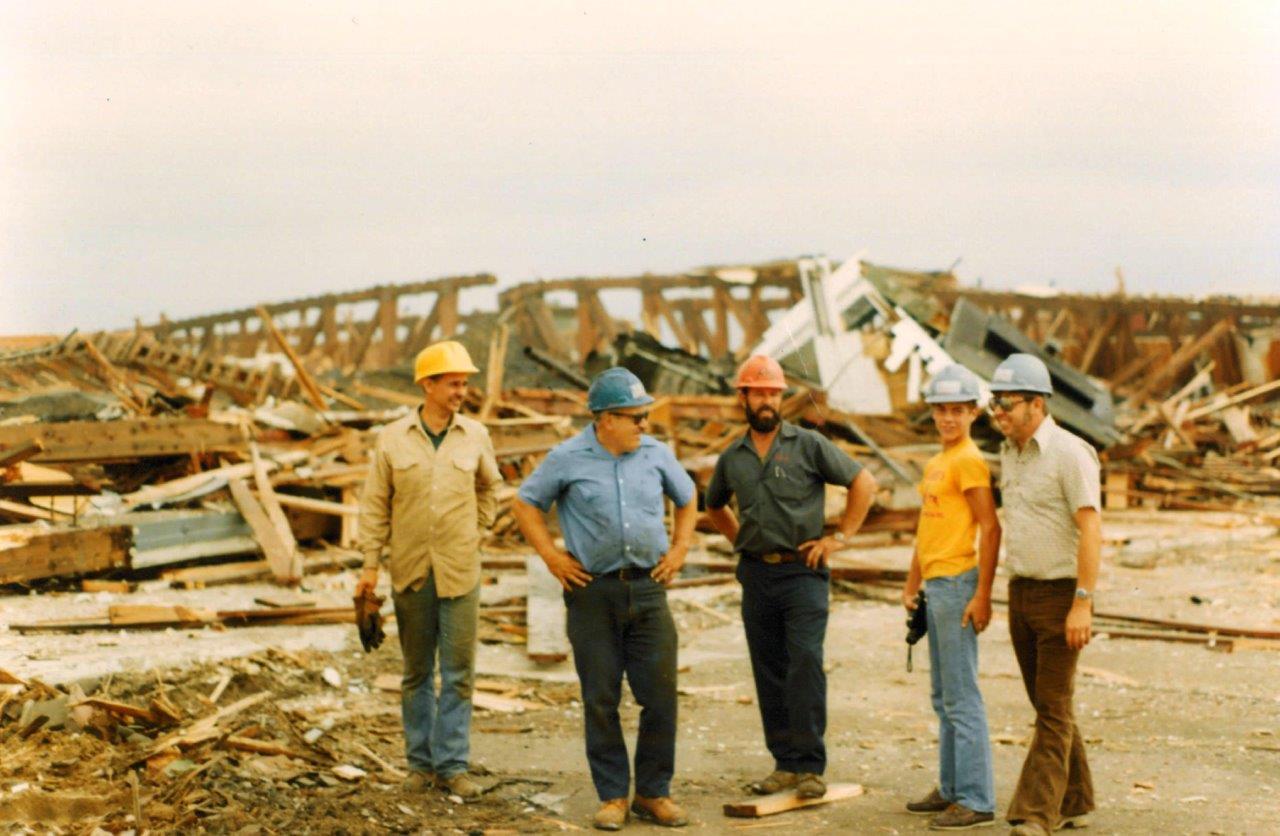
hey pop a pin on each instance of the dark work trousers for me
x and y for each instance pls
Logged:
(621, 627)
(784, 613)
(1055, 780)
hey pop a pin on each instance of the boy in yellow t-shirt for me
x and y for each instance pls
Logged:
(958, 511)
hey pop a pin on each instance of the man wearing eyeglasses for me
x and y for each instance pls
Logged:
(609, 483)
(779, 473)
(1049, 481)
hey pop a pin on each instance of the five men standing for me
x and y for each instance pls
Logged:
(779, 473)
(432, 486)
(609, 482)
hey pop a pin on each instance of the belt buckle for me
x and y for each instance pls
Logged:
(771, 558)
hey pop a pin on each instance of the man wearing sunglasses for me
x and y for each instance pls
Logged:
(609, 483)
(779, 473)
(1049, 481)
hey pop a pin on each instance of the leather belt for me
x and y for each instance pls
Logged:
(627, 573)
(776, 557)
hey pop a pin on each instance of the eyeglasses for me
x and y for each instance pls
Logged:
(637, 418)
(1006, 403)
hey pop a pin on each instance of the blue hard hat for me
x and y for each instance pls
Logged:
(1022, 373)
(954, 384)
(616, 388)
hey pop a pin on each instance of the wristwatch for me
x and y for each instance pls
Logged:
(1084, 594)
(840, 537)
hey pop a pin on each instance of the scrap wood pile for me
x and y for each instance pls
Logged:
(270, 739)
(1200, 447)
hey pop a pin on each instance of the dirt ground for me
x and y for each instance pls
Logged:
(1181, 738)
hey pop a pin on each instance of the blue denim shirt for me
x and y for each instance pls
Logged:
(610, 506)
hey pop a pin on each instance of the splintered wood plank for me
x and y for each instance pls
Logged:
(133, 615)
(49, 554)
(94, 441)
(781, 802)
(213, 575)
(278, 553)
(267, 496)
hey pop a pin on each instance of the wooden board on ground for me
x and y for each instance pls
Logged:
(781, 802)
(201, 576)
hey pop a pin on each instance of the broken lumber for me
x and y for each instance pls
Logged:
(279, 554)
(781, 802)
(97, 441)
(70, 551)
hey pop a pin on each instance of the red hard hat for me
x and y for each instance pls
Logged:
(760, 372)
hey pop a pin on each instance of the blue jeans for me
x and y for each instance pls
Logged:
(964, 744)
(622, 627)
(784, 615)
(437, 733)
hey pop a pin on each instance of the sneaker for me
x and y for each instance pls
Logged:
(463, 786)
(959, 817)
(930, 804)
(809, 785)
(612, 815)
(1074, 822)
(662, 811)
(418, 781)
(777, 781)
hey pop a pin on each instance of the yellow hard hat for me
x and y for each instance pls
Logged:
(446, 357)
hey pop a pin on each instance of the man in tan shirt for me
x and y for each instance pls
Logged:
(432, 486)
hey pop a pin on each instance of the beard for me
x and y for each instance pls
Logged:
(765, 420)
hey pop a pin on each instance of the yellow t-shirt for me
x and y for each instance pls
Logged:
(947, 531)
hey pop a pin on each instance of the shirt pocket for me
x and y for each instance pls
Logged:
(460, 477)
(788, 483)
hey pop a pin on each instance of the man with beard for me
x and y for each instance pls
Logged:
(432, 485)
(779, 473)
(1053, 541)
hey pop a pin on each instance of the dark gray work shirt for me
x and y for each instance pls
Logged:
(780, 498)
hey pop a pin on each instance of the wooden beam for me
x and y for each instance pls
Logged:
(300, 371)
(95, 441)
(48, 554)
(1179, 361)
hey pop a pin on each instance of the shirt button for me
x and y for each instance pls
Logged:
(626, 525)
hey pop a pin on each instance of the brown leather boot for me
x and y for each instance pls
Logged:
(777, 781)
(612, 815)
(661, 811)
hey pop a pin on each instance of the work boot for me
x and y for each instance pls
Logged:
(612, 815)
(418, 781)
(959, 817)
(1073, 822)
(810, 785)
(1028, 828)
(661, 811)
(463, 786)
(777, 781)
(930, 804)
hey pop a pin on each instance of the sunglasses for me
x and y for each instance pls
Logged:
(1006, 403)
(637, 418)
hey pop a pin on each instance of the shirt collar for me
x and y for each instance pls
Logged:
(1041, 436)
(416, 423)
(785, 430)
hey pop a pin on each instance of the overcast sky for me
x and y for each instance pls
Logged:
(191, 157)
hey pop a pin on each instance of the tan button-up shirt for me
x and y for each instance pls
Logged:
(429, 505)
(1042, 486)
